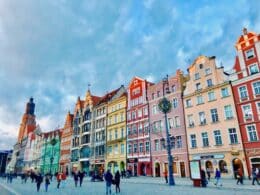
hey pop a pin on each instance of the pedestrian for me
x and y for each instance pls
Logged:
(76, 178)
(38, 181)
(218, 177)
(239, 176)
(254, 176)
(208, 173)
(81, 176)
(165, 173)
(108, 178)
(47, 182)
(117, 181)
(58, 177)
(203, 178)
(63, 177)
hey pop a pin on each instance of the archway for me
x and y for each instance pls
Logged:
(209, 166)
(142, 171)
(237, 164)
(157, 170)
(222, 166)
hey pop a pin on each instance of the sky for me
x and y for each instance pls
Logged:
(51, 50)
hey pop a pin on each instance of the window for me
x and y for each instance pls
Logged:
(153, 96)
(141, 147)
(201, 66)
(156, 145)
(251, 132)
(122, 132)
(173, 88)
(116, 134)
(129, 116)
(115, 118)
(243, 92)
(256, 87)
(202, 118)
(193, 141)
(116, 149)
(198, 86)
(110, 135)
(217, 136)
(258, 108)
(253, 69)
(228, 112)
(109, 149)
(139, 113)
(135, 148)
(145, 111)
(207, 71)
(233, 136)
(158, 93)
(154, 109)
(177, 121)
(129, 149)
(122, 151)
(200, 100)
(214, 115)
(122, 116)
(179, 141)
(140, 128)
(197, 76)
(133, 115)
(188, 103)
(247, 111)
(224, 92)
(211, 95)
(190, 120)
(147, 146)
(205, 139)
(209, 83)
(170, 121)
(250, 54)
(175, 103)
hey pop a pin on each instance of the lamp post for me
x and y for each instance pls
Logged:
(53, 143)
(165, 107)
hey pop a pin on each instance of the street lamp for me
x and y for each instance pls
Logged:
(53, 143)
(165, 107)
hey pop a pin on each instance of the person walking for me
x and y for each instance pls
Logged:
(208, 173)
(254, 176)
(47, 182)
(218, 177)
(38, 181)
(203, 178)
(108, 178)
(117, 181)
(63, 177)
(59, 178)
(76, 178)
(165, 173)
(81, 176)
(239, 176)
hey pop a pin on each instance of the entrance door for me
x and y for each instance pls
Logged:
(182, 165)
(157, 170)
(143, 169)
(237, 164)
(135, 169)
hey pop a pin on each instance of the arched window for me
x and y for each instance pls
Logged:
(222, 166)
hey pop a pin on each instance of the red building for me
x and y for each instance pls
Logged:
(138, 137)
(246, 89)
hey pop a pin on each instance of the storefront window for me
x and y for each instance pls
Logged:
(223, 166)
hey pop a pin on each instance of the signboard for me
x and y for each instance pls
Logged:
(195, 169)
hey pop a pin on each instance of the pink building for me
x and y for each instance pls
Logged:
(176, 126)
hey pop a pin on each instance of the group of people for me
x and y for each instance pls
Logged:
(78, 176)
(112, 180)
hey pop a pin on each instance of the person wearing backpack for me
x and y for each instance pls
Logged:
(117, 181)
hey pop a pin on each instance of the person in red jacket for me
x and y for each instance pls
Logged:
(59, 178)
(63, 177)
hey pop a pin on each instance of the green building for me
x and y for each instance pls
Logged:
(50, 153)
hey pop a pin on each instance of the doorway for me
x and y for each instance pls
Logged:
(157, 170)
(237, 164)
(182, 166)
(143, 170)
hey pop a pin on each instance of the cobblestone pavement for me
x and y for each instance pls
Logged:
(136, 186)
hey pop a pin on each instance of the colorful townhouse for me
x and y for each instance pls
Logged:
(211, 121)
(138, 135)
(50, 155)
(246, 89)
(172, 90)
(65, 152)
(116, 131)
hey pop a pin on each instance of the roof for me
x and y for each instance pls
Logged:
(246, 39)
(108, 96)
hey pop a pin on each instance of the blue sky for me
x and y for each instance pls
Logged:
(51, 50)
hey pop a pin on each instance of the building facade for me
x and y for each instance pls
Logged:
(246, 89)
(138, 136)
(5, 158)
(211, 121)
(116, 131)
(50, 154)
(176, 127)
(66, 137)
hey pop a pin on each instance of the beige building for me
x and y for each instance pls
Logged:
(213, 133)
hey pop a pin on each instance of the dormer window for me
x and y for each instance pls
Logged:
(201, 66)
(250, 54)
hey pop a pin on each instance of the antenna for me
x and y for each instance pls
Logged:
(89, 86)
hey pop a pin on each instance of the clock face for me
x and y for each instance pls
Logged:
(165, 105)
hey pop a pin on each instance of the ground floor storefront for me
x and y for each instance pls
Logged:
(65, 167)
(227, 162)
(115, 164)
(139, 166)
(48, 168)
(180, 165)
(97, 166)
(252, 158)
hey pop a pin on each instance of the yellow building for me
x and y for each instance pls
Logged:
(116, 132)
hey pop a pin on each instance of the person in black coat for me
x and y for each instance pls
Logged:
(203, 178)
(81, 176)
(117, 181)
(39, 179)
(76, 178)
(108, 178)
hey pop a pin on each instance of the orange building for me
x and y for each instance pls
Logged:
(65, 144)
